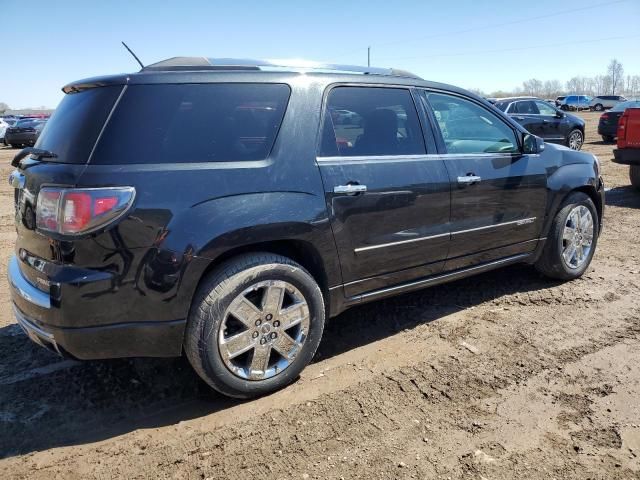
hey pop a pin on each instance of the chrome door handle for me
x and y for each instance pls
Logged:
(469, 179)
(350, 188)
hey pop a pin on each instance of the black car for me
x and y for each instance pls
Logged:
(226, 209)
(608, 123)
(558, 101)
(544, 120)
(24, 132)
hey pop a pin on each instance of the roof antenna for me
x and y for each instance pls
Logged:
(134, 55)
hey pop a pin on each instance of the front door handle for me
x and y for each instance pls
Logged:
(519, 118)
(350, 188)
(468, 179)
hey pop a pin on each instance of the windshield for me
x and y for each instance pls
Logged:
(72, 130)
(621, 107)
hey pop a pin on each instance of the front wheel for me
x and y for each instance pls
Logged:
(598, 107)
(572, 239)
(255, 323)
(575, 139)
(634, 176)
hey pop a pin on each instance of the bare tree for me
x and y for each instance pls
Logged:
(577, 85)
(615, 72)
(3, 107)
(552, 88)
(532, 87)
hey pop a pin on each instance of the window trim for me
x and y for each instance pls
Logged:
(442, 147)
(363, 158)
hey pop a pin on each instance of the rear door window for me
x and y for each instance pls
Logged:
(371, 121)
(192, 123)
(526, 107)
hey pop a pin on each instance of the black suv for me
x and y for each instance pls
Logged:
(544, 120)
(226, 209)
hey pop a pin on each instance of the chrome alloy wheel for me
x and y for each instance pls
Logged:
(577, 238)
(575, 140)
(263, 330)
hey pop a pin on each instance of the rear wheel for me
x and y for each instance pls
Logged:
(254, 324)
(575, 139)
(634, 176)
(572, 239)
(608, 138)
(598, 107)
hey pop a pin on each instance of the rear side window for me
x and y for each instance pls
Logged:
(72, 130)
(370, 121)
(190, 123)
(525, 107)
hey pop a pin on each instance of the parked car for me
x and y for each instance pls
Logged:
(576, 102)
(559, 100)
(25, 132)
(608, 124)
(544, 120)
(3, 128)
(603, 102)
(628, 151)
(157, 214)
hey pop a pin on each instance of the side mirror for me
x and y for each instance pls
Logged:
(560, 114)
(532, 144)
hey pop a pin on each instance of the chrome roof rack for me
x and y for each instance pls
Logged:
(243, 64)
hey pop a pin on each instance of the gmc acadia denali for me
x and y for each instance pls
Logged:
(227, 208)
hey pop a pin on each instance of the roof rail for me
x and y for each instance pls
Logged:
(227, 64)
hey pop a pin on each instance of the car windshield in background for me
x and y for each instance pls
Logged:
(72, 130)
(180, 123)
(621, 107)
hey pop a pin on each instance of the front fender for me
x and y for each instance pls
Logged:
(569, 177)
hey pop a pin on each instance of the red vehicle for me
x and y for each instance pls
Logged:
(628, 151)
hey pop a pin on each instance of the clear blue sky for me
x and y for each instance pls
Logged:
(491, 45)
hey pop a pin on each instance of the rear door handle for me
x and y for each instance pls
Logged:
(469, 179)
(519, 118)
(350, 188)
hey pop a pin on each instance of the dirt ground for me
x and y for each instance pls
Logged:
(505, 375)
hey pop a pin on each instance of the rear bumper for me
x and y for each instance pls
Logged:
(608, 130)
(626, 156)
(20, 137)
(128, 339)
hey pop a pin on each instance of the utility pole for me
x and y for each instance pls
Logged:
(368, 56)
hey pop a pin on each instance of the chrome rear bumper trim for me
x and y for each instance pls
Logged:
(23, 288)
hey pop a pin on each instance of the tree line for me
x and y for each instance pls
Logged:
(613, 82)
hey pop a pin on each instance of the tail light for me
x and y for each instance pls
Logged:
(604, 116)
(77, 211)
(622, 130)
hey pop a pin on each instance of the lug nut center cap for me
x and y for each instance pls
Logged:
(266, 328)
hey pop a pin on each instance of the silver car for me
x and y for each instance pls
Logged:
(603, 102)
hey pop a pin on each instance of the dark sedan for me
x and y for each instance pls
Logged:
(608, 124)
(24, 132)
(545, 120)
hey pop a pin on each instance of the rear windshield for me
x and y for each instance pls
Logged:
(180, 123)
(72, 130)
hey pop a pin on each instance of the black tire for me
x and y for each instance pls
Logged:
(608, 138)
(564, 107)
(575, 131)
(598, 107)
(15, 145)
(634, 176)
(551, 262)
(214, 295)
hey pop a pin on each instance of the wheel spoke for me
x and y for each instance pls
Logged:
(568, 234)
(238, 344)
(569, 253)
(245, 311)
(272, 300)
(293, 315)
(260, 361)
(285, 345)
